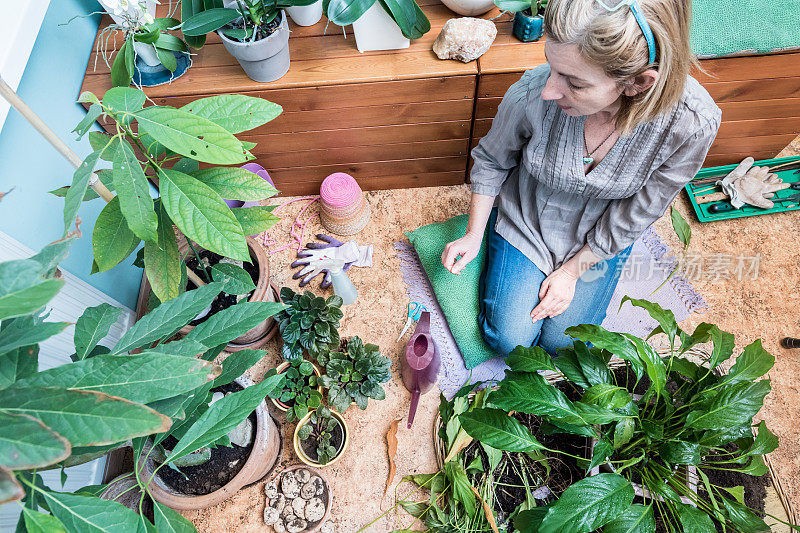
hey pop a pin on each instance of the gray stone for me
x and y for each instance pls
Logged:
(279, 526)
(287, 513)
(242, 434)
(271, 490)
(327, 527)
(315, 510)
(279, 502)
(271, 515)
(319, 485)
(309, 490)
(465, 39)
(299, 506)
(302, 475)
(296, 526)
(290, 486)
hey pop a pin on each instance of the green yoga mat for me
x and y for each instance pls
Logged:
(725, 27)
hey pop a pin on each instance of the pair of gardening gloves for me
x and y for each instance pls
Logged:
(747, 184)
(316, 254)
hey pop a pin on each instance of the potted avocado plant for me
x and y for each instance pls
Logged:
(528, 17)
(379, 24)
(354, 374)
(300, 390)
(321, 437)
(255, 32)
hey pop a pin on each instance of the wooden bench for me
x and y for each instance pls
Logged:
(404, 118)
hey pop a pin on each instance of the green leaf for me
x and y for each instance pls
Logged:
(36, 522)
(10, 489)
(345, 12)
(18, 364)
(594, 369)
(681, 227)
(678, 452)
(637, 519)
(723, 346)
(27, 443)
(601, 452)
(530, 519)
(121, 71)
(498, 430)
(190, 135)
(765, 441)
(101, 142)
(123, 100)
(202, 215)
(567, 363)
(623, 432)
(235, 279)
(589, 504)
(166, 41)
(654, 367)
(84, 418)
(236, 183)
(693, 520)
(256, 219)
(606, 395)
(93, 326)
(235, 112)
(167, 58)
(734, 405)
(23, 332)
(133, 191)
(534, 359)
(461, 487)
(233, 322)
(206, 21)
(88, 121)
(89, 514)
(112, 240)
(168, 318)
(753, 363)
(743, 518)
(664, 317)
(530, 393)
(222, 416)
(163, 268)
(616, 343)
(236, 364)
(513, 5)
(142, 378)
(76, 192)
(22, 288)
(170, 521)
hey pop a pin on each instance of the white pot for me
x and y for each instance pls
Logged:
(306, 15)
(136, 10)
(147, 52)
(376, 30)
(469, 8)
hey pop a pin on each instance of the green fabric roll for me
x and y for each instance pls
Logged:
(723, 27)
(457, 295)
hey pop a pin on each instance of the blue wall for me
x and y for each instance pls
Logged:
(50, 85)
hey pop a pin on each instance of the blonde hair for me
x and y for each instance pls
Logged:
(615, 42)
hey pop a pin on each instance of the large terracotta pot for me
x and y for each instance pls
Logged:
(263, 457)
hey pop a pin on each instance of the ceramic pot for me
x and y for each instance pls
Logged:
(263, 456)
(282, 368)
(272, 328)
(469, 8)
(329, 503)
(306, 15)
(376, 30)
(527, 27)
(147, 53)
(298, 449)
(264, 60)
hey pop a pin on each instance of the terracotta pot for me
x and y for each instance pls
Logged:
(262, 458)
(282, 368)
(272, 329)
(319, 473)
(263, 293)
(299, 449)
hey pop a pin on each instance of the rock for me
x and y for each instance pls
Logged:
(279, 502)
(309, 490)
(327, 527)
(242, 435)
(279, 526)
(271, 490)
(299, 506)
(290, 486)
(465, 39)
(271, 515)
(296, 526)
(315, 510)
(302, 475)
(287, 512)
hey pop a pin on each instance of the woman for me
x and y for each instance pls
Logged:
(585, 153)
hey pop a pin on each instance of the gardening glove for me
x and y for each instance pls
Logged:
(756, 186)
(309, 259)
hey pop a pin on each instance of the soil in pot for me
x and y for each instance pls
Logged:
(309, 446)
(223, 300)
(262, 32)
(215, 473)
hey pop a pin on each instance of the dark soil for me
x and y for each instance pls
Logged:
(262, 32)
(215, 473)
(309, 445)
(224, 300)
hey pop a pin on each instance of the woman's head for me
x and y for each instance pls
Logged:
(601, 58)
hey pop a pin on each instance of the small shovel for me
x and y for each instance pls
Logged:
(420, 364)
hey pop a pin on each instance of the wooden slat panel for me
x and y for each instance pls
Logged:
(761, 89)
(377, 168)
(496, 85)
(785, 65)
(487, 107)
(760, 109)
(481, 128)
(731, 158)
(763, 143)
(371, 183)
(753, 128)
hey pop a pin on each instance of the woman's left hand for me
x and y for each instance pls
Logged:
(555, 294)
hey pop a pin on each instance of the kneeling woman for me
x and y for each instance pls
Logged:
(585, 153)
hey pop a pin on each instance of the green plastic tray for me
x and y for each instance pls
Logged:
(788, 176)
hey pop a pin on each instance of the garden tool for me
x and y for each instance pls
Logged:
(790, 342)
(420, 365)
(308, 272)
(723, 207)
(415, 309)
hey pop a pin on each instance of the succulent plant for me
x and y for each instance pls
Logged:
(354, 374)
(320, 427)
(298, 390)
(309, 324)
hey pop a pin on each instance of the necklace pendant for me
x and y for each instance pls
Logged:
(588, 160)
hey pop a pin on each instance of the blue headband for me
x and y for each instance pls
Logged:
(641, 20)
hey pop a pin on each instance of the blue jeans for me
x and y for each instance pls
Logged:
(509, 290)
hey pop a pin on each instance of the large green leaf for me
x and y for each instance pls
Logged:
(534, 359)
(222, 416)
(162, 266)
(460, 486)
(24, 332)
(679, 452)
(112, 240)
(765, 441)
(88, 514)
(403, 14)
(84, 418)
(497, 429)
(236, 183)
(594, 369)
(170, 521)
(18, 364)
(190, 135)
(202, 215)
(22, 289)
(208, 20)
(36, 522)
(230, 323)
(235, 112)
(723, 345)
(236, 364)
(27, 443)
(256, 219)
(681, 227)
(167, 318)
(95, 110)
(235, 279)
(753, 363)
(743, 518)
(345, 12)
(664, 317)
(123, 100)
(122, 67)
(616, 343)
(608, 396)
(734, 405)
(188, 9)
(567, 363)
(133, 191)
(76, 192)
(142, 378)
(530, 393)
(637, 519)
(10, 490)
(693, 520)
(93, 326)
(589, 504)
(653, 364)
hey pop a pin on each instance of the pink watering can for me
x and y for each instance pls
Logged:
(420, 364)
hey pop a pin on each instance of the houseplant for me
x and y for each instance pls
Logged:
(688, 415)
(528, 17)
(321, 437)
(379, 24)
(309, 323)
(299, 391)
(354, 374)
(255, 33)
(74, 413)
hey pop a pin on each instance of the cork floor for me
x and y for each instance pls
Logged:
(766, 308)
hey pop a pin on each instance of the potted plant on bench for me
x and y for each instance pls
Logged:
(379, 24)
(528, 17)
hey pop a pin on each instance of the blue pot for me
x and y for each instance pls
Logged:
(527, 27)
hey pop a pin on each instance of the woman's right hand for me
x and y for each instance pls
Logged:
(467, 247)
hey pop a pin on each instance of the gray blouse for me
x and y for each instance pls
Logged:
(548, 208)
